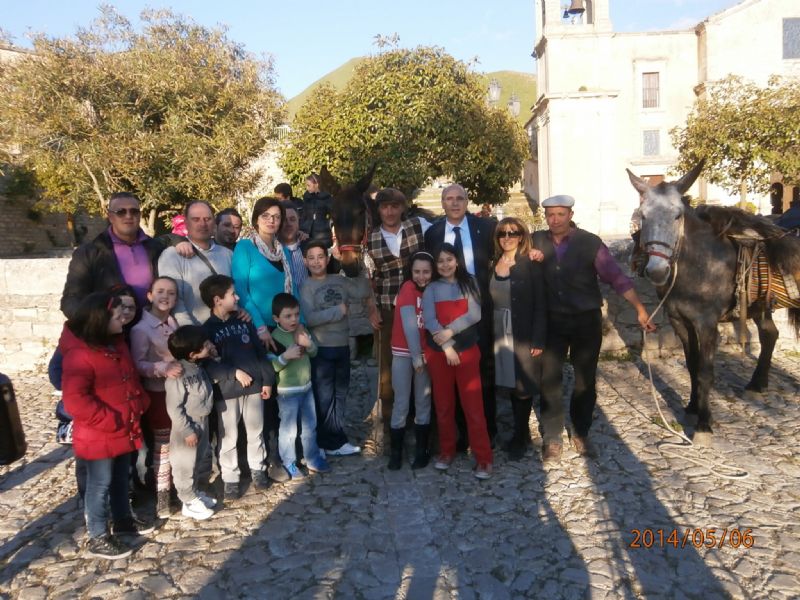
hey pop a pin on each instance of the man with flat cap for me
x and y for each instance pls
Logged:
(390, 245)
(573, 261)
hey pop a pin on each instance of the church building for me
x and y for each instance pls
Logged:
(608, 100)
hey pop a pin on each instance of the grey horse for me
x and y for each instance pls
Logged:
(693, 262)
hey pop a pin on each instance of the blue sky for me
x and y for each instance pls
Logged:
(309, 38)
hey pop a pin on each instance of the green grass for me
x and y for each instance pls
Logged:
(618, 356)
(511, 82)
(660, 422)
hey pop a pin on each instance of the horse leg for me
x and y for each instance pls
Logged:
(707, 336)
(768, 336)
(686, 335)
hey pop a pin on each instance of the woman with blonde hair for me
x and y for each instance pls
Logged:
(520, 317)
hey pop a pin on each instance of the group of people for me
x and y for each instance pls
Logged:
(186, 341)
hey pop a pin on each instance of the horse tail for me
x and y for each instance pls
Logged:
(794, 321)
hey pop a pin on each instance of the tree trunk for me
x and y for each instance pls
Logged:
(150, 226)
(743, 195)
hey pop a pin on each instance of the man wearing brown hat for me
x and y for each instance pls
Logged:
(574, 259)
(390, 247)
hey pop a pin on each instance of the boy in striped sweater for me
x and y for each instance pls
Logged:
(295, 396)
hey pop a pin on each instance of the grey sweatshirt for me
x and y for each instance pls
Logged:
(189, 272)
(190, 398)
(319, 303)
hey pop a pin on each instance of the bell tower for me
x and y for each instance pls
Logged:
(571, 16)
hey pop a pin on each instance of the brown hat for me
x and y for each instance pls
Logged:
(390, 195)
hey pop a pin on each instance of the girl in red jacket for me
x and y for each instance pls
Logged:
(102, 392)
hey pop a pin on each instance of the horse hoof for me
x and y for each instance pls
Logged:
(703, 439)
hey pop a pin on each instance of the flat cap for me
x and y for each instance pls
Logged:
(560, 200)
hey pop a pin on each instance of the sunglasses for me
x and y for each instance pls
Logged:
(121, 212)
(509, 234)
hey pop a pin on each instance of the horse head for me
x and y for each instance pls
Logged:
(662, 208)
(349, 215)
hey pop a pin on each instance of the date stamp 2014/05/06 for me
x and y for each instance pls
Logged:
(692, 537)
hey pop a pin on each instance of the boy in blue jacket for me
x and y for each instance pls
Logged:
(243, 376)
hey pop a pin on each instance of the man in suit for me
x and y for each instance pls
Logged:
(474, 237)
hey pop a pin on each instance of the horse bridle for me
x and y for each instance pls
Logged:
(674, 250)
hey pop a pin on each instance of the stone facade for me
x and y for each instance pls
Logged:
(30, 318)
(608, 100)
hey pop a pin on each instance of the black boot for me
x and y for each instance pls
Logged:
(421, 456)
(275, 470)
(396, 450)
(521, 410)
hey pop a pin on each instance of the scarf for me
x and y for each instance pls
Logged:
(274, 255)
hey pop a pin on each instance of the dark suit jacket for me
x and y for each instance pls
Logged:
(481, 232)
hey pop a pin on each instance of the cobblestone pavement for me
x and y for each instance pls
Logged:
(365, 532)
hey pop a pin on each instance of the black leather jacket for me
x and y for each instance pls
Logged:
(315, 218)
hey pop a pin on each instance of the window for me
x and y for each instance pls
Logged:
(650, 90)
(791, 38)
(651, 142)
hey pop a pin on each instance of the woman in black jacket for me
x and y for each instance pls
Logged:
(520, 317)
(315, 218)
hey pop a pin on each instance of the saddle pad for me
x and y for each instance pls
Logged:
(772, 287)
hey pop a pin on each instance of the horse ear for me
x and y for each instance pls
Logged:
(363, 183)
(685, 182)
(637, 182)
(327, 182)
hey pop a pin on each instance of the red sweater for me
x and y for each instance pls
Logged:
(102, 392)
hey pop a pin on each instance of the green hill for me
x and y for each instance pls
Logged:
(511, 82)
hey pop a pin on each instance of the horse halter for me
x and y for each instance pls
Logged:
(674, 251)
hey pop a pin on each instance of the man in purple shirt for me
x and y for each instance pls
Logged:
(123, 253)
(573, 261)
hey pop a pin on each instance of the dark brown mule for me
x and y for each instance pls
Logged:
(349, 214)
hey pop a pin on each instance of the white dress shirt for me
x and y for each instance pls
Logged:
(466, 241)
(394, 240)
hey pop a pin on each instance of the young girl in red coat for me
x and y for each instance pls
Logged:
(102, 392)
(451, 311)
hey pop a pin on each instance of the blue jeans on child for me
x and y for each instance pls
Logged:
(330, 376)
(292, 406)
(106, 484)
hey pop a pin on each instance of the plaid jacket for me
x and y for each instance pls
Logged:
(388, 267)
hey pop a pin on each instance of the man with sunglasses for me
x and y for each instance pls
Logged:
(122, 254)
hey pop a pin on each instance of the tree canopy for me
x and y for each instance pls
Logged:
(419, 114)
(745, 133)
(172, 111)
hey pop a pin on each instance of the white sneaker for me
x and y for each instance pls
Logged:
(196, 510)
(207, 500)
(346, 449)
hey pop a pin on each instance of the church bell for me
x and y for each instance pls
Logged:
(576, 8)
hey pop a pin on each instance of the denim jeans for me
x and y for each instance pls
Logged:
(293, 406)
(330, 377)
(106, 483)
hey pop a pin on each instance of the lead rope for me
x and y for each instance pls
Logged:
(669, 448)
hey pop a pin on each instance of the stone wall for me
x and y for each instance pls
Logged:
(30, 318)
(31, 321)
(27, 231)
